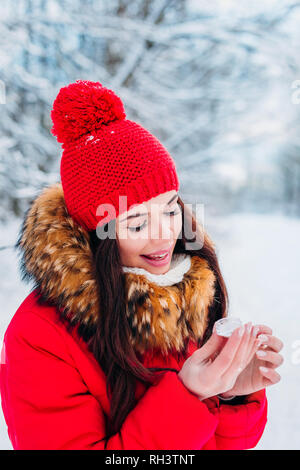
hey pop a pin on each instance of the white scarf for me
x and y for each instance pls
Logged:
(180, 264)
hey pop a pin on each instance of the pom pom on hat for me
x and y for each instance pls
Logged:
(82, 107)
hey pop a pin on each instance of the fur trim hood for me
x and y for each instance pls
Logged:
(56, 255)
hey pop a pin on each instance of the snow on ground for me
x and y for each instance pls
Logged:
(260, 260)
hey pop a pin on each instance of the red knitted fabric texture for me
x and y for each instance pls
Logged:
(117, 158)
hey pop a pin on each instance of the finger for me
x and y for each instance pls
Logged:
(241, 356)
(270, 374)
(227, 354)
(266, 382)
(212, 345)
(271, 341)
(263, 329)
(245, 348)
(274, 358)
(253, 344)
(255, 347)
(275, 343)
(254, 341)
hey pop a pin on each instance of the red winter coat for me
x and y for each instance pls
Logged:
(54, 397)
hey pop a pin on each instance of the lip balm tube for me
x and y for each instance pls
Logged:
(226, 326)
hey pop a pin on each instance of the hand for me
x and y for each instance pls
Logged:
(206, 374)
(253, 377)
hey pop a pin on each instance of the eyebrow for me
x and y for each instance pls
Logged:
(139, 214)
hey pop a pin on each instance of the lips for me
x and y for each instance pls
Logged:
(158, 261)
(160, 252)
(158, 258)
(161, 256)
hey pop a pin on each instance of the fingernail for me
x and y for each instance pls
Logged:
(255, 331)
(241, 330)
(261, 353)
(263, 338)
(264, 369)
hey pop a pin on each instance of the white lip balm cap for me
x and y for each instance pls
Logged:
(226, 326)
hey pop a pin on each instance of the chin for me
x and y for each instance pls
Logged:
(162, 270)
(157, 269)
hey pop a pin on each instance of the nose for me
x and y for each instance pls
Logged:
(160, 229)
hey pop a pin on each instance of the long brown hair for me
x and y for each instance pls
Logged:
(110, 344)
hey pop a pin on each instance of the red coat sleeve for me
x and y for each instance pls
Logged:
(47, 405)
(239, 426)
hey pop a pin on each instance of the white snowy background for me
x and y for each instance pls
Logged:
(218, 82)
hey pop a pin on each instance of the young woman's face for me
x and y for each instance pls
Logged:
(151, 227)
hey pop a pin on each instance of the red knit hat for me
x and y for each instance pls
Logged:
(105, 155)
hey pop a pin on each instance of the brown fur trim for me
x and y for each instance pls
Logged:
(57, 256)
(164, 316)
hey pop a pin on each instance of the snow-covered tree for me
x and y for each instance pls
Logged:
(211, 79)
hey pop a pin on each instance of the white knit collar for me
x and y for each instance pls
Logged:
(180, 264)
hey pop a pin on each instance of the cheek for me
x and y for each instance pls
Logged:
(176, 226)
(130, 247)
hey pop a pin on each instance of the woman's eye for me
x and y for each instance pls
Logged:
(171, 214)
(175, 211)
(137, 229)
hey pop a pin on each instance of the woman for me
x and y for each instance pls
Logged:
(115, 347)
